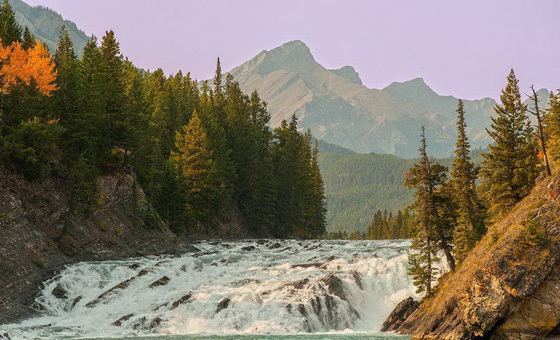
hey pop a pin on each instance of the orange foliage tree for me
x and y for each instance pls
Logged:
(33, 66)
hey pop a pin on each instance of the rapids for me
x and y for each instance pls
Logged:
(226, 288)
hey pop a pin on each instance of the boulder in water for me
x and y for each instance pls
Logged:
(161, 282)
(248, 248)
(59, 292)
(143, 323)
(275, 246)
(120, 286)
(184, 299)
(223, 304)
(335, 286)
(399, 314)
(119, 322)
(307, 265)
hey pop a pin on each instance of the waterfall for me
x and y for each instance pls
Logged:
(245, 287)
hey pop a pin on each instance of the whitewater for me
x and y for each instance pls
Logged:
(253, 289)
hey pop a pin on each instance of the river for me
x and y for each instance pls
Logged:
(254, 289)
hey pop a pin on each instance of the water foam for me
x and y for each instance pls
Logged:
(246, 287)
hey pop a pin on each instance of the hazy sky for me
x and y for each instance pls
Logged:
(463, 48)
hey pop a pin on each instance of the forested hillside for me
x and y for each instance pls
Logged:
(358, 185)
(203, 155)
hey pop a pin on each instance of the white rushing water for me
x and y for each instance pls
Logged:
(247, 287)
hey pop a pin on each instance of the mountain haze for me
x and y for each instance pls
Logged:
(339, 109)
(45, 25)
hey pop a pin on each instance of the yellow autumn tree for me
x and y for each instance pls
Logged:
(26, 141)
(33, 66)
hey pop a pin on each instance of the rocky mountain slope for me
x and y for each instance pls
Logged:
(509, 286)
(45, 24)
(339, 109)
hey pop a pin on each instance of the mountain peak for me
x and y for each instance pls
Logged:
(349, 73)
(294, 56)
(414, 87)
(294, 45)
(296, 50)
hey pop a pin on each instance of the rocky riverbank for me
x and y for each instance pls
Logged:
(509, 286)
(38, 235)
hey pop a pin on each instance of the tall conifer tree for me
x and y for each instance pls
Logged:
(318, 198)
(65, 99)
(196, 161)
(92, 102)
(470, 223)
(552, 125)
(10, 31)
(511, 166)
(28, 40)
(423, 251)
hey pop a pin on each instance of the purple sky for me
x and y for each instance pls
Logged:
(463, 48)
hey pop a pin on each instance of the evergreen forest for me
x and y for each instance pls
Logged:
(201, 151)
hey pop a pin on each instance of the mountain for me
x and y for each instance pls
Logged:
(339, 109)
(45, 25)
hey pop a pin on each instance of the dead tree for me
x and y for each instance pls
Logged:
(540, 131)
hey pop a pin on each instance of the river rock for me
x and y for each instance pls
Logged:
(335, 286)
(275, 246)
(307, 265)
(144, 324)
(124, 284)
(161, 282)
(399, 314)
(59, 292)
(76, 300)
(119, 322)
(184, 299)
(223, 304)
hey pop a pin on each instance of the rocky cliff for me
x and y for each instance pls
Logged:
(38, 235)
(509, 286)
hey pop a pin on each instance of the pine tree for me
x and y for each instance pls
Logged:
(552, 125)
(65, 99)
(289, 166)
(10, 31)
(29, 40)
(132, 128)
(112, 61)
(470, 223)
(213, 116)
(511, 166)
(116, 124)
(256, 195)
(195, 159)
(92, 103)
(318, 198)
(430, 234)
